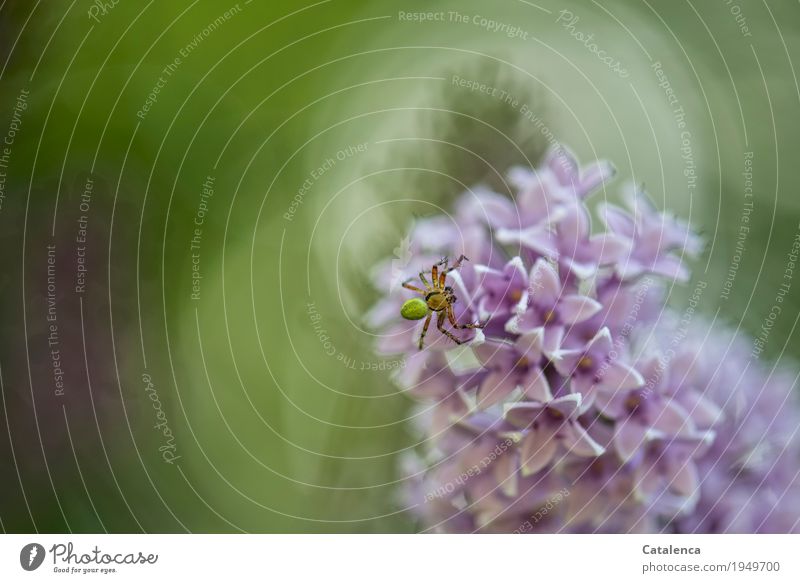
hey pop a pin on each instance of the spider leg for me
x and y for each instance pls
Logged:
(425, 330)
(440, 325)
(407, 285)
(434, 271)
(452, 317)
(424, 280)
(457, 264)
(438, 280)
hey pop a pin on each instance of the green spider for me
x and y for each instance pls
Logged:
(439, 299)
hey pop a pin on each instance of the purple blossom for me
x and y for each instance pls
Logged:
(652, 238)
(585, 404)
(544, 309)
(560, 179)
(593, 369)
(510, 366)
(546, 426)
(502, 290)
(550, 196)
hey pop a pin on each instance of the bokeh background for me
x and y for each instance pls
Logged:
(218, 376)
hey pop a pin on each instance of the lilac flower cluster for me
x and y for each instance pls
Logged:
(583, 387)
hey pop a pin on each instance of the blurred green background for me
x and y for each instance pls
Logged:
(243, 336)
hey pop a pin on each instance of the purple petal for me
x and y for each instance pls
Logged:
(617, 220)
(578, 441)
(536, 386)
(618, 376)
(435, 233)
(504, 470)
(515, 268)
(629, 436)
(523, 414)
(630, 268)
(609, 248)
(536, 450)
(534, 194)
(520, 177)
(566, 361)
(600, 344)
(669, 417)
(544, 284)
(595, 175)
(670, 267)
(537, 203)
(567, 405)
(411, 372)
(495, 209)
(702, 410)
(585, 503)
(526, 322)
(536, 238)
(399, 338)
(696, 443)
(581, 269)
(647, 481)
(530, 345)
(583, 385)
(495, 388)
(553, 336)
(573, 229)
(612, 403)
(502, 282)
(498, 353)
(487, 274)
(574, 308)
(685, 479)
(561, 161)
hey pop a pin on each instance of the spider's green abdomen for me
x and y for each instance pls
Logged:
(414, 309)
